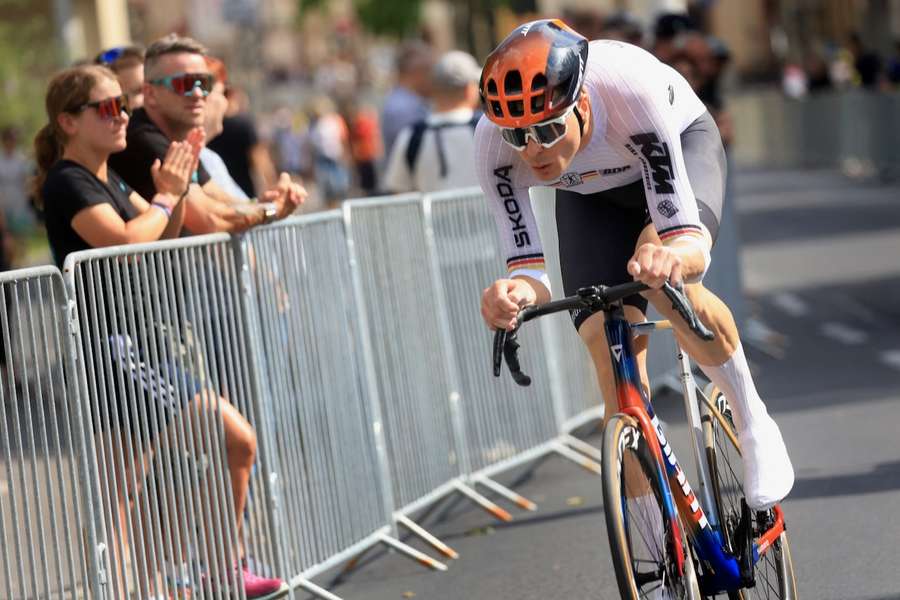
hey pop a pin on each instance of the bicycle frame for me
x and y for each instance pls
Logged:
(679, 497)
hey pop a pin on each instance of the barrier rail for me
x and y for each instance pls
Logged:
(352, 344)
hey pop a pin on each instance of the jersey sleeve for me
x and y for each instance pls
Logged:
(644, 122)
(497, 168)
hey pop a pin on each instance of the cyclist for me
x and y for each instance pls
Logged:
(639, 170)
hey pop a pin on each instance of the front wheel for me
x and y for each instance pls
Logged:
(640, 537)
(774, 573)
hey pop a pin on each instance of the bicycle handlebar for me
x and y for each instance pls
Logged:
(506, 345)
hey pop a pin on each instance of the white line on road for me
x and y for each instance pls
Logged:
(891, 358)
(844, 333)
(791, 304)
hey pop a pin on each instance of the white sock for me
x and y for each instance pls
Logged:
(768, 474)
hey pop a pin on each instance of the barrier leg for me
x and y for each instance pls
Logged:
(411, 552)
(419, 531)
(316, 590)
(579, 459)
(483, 502)
(507, 493)
(583, 447)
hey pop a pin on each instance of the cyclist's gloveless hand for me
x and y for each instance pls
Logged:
(653, 265)
(500, 303)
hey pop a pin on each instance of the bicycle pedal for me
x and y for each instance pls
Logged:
(744, 538)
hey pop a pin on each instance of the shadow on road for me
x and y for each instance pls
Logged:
(884, 477)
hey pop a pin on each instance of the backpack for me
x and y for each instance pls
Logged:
(415, 141)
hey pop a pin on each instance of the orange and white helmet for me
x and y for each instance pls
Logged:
(534, 75)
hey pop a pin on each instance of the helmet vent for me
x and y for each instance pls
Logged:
(537, 103)
(516, 108)
(539, 82)
(560, 92)
(496, 109)
(492, 87)
(512, 84)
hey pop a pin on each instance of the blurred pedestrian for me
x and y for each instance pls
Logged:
(893, 67)
(407, 102)
(15, 171)
(666, 32)
(239, 145)
(624, 27)
(177, 84)
(127, 62)
(329, 141)
(868, 64)
(365, 144)
(216, 105)
(438, 152)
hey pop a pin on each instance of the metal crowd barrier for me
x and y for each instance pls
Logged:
(162, 350)
(505, 425)
(853, 129)
(47, 518)
(333, 482)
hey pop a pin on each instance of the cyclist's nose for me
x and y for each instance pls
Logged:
(532, 148)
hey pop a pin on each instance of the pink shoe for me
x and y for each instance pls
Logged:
(262, 587)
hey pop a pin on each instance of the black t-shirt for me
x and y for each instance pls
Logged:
(234, 144)
(146, 143)
(69, 188)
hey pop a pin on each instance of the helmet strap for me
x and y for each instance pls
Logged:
(580, 121)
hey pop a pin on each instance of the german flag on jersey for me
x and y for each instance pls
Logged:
(528, 261)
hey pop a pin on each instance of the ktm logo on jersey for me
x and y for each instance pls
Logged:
(656, 160)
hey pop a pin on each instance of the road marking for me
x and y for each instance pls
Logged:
(791, 304)
(891, 358)
(844, 333)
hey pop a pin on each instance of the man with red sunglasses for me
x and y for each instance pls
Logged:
(177, 82)
(639, 170)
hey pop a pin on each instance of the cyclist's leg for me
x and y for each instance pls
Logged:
(597, 233)
(768, 475)
(594, 337)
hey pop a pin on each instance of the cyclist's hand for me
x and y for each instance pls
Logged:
(653, 265)
(501, 302)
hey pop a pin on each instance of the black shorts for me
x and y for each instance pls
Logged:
(598, 232)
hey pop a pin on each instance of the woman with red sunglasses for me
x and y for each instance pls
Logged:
(87, 205)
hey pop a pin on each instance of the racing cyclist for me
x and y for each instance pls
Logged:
(639, 171)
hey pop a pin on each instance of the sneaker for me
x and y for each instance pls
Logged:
(261, 588)
(768, 474)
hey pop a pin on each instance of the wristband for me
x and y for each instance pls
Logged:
(163, 208)
(270, 211)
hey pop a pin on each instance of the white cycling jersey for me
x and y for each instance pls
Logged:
(640, 106)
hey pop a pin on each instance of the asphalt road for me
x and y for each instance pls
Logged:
(822, 271)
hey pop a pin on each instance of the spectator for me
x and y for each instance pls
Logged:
(407, 103)
(178, 82)
(15, 170)
(216, 105)
(86, 204)
(868, 64)
(438, 153)
(328, 137)
(893, 68)
(668, 28)
(246, 156)
(365, 145)
(623, 26)
(127, 62)
(289, 138)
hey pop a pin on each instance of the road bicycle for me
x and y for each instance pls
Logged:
(666, 541)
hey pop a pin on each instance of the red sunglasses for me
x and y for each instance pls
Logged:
(109, 108)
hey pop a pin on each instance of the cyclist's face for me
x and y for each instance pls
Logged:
(549, 163)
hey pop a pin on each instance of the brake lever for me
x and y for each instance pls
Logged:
(681, 304)
(499, 341)
(511, 353)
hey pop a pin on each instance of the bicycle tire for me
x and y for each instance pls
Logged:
(638, 535)
(774, 572)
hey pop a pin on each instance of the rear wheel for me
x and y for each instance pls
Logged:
(774, 573)
(640, 537)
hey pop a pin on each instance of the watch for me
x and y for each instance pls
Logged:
(270, 211)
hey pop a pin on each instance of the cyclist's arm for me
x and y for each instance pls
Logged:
(500, 176)
(644, 124)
